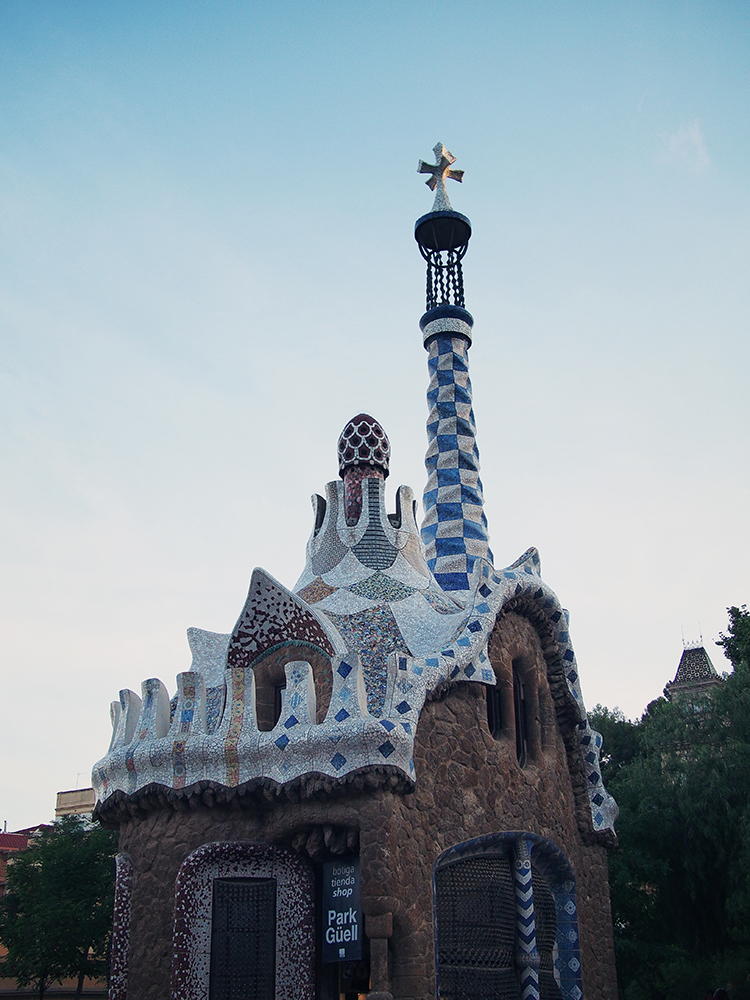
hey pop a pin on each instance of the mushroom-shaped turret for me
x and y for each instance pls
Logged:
(364, 452)
(364, 442)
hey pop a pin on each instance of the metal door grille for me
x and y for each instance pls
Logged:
(243, 940)
(476, 930)
(546, 933)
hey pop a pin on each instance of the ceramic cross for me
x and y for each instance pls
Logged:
(439, 172)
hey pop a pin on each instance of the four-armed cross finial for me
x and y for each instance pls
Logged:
(440, 171)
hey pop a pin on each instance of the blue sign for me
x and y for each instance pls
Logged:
(341, 917)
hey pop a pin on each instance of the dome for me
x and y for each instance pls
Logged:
(364, 442)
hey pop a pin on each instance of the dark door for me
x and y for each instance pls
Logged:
(243, 939)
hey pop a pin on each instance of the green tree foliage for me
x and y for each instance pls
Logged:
(56, 915)
(680, 880)
(620, 739)
(736, 642)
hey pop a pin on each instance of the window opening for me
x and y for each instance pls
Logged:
(519, 709)
(494, 711)
(243, 939)
(279, 693)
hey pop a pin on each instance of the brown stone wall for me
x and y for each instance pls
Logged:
(468, 784)
(160, 842)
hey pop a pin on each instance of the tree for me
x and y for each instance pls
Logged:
(620, 739)
(736, 642)
(56, 915)
(680, 881)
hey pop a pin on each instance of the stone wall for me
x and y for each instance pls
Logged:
(468, 784)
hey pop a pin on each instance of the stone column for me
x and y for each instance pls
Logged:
(379, 929)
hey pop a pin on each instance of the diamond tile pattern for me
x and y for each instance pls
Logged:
(385, 613)
(454, 530)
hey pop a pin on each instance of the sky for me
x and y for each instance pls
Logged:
(207, 266)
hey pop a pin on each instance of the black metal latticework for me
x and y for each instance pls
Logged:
(243, 940)
(476, 930)
(443, 239)
(445, 279)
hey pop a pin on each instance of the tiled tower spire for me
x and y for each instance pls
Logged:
(454, 530)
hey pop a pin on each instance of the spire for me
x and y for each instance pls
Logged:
(454, 530)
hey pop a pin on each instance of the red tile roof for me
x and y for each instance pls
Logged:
(13, 842)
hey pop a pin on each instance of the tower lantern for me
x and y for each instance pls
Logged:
(443, 238)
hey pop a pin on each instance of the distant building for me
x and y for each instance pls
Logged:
(10, 844)
(696, 675)
(79, 802)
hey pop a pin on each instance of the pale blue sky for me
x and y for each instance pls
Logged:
(206, 212)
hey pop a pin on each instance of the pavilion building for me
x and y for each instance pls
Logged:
(383, 782)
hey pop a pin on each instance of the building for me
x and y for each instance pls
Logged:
(696, 674)
(77, 802)
(383, 782)
(10, 844)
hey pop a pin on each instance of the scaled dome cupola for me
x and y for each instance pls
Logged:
(363, 442)
(364, 453)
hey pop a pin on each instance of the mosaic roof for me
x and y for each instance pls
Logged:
(695, 665)
(393, 611)
(392, 637)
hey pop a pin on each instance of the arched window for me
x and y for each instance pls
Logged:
(270, 682)
(279, 690)
(513, 709)
(519, 706)
(505, 921)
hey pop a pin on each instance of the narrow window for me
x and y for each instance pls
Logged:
(243, 939)
(519, 708)
(270, 685)
(494, 711)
